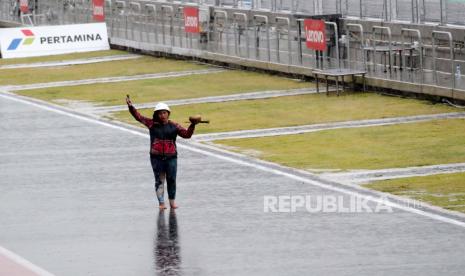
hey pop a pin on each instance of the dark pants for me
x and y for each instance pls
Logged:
(164, 169)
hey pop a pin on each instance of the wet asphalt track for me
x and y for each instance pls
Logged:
(76, 198)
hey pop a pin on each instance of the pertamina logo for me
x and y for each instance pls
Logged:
(28, 40)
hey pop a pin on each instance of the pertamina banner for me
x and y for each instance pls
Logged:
(97, 10)
(53, 40)
(191, 20)
(315, 32)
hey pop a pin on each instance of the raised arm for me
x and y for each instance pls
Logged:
(144, 120)
(185, 133)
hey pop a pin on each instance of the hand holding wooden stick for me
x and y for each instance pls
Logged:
(197, 119)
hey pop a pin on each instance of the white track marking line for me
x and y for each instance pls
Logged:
(47, 106)
(23, 262)
(366, 176)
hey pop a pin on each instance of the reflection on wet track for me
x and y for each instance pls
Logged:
(166, 245)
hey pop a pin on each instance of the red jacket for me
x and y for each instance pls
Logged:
(163, 136)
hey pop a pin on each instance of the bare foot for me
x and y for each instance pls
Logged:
(162, 206)
(173, 204)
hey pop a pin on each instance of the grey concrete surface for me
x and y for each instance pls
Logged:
(76, 198)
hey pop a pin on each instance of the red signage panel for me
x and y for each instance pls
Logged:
(97, 10)
(191, 20)
(24, 6)
(315, 32)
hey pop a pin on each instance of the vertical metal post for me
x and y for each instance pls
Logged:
(423, 16)
(225, 15)
(418, 10)
(412, 9)
(122, 4)
(420, 45)
(181, 10)
(154, 8)
(336, 38)
(362, 40)
(385, 10)
(236, 30)
(451, 53)
(361, 10)
(135, 15)
(388, 29)
(108, 4)
(289, 45)
(299, 40)
(170, 8)
(347, 8)
(441, 10)
(265, 18)
(246, 22)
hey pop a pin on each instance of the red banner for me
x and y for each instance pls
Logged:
(315, 32)
(191, 20)
(97, 10)
(24, 6)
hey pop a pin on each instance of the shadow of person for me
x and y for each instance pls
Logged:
(166, 246)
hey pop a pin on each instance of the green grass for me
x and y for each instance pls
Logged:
(444, 190)
(61, 57)
(151, 90)
(143, 65)
(397, 146)
(297, 110)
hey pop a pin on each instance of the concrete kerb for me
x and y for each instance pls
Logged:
(366, 176)
(426, 210)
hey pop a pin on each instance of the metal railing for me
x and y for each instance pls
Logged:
(416, 11)
(264, 36)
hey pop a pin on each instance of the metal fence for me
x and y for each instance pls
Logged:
(417, 11)
(272, 37)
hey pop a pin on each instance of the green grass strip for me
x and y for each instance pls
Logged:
(143, 65)
(444, 190)
(150, 90)
(61, 57)
(397, 146)
(297, 110)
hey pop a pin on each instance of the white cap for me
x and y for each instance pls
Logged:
(162, 106)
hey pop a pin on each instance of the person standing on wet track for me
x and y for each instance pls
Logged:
(163, 152)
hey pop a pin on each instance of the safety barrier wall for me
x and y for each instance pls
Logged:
(266, 37)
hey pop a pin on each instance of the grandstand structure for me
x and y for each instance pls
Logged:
(407, 45)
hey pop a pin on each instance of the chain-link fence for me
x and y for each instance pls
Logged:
(275, 38)
(443, 11)
(417, 11)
